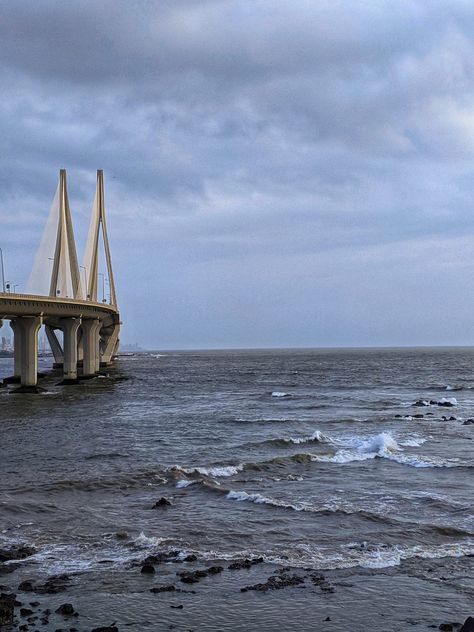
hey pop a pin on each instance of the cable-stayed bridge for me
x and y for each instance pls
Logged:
(64, 300)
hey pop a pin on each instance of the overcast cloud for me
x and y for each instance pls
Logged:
(278, 172)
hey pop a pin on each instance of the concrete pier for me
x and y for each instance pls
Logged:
(25, 331)
(90, 343)
(70, 327)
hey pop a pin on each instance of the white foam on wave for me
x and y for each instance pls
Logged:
(217, 471)
(279, 394)
(181, 484)
(259, 499)
(346, 556)
(383, 445)
(448, 400)
(316, 436)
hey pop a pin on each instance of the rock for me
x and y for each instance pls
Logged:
(107, 628)
(452, 418)
(53, 585)
(160, 589)
(446, 627)
(446, 404)
(398, 416)
(190, 558)
(65, 609)
(16, 553)
(177, 607)
(192, 577)
(163, 502)
(25, 586)
(276, 582)
(148, 569)
(327, 619)
(214, 570)
(468, 422)
(122, 535)
(421, 402)
(246, 563)
(468, 625)
(418, 416)
(7, 607)
(25, 612)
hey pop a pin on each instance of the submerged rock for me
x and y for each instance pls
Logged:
(246, 563)
(276, 582)
(160, 589)
(16, 553)
(163, 502)
(66, 609)
(148, 569)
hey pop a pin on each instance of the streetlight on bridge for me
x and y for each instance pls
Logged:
(3, 270)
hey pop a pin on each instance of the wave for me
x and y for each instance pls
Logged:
(215, 471)
(384, 445)
(280, 394)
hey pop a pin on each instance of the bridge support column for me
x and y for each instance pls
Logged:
(90, 343)
(15, 324)
(25, 330)
(70, 327)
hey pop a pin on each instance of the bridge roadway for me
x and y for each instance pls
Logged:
(90, 334)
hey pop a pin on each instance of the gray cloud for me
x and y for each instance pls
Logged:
(277, 173)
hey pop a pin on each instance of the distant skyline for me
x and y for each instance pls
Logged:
(277, 173)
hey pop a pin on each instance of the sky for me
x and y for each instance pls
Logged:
(278, 173)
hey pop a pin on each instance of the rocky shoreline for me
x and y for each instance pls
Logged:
(47, 603)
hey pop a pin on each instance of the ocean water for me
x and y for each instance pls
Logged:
(315, 460)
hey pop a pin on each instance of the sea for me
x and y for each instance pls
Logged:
(350, 470)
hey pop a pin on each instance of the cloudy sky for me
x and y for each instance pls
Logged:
(278, 172)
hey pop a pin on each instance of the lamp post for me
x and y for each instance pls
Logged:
(85, 280)
(3, 270)
(103, 287)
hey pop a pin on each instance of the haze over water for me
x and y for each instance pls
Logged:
(313, 460)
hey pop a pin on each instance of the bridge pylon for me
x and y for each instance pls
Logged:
(91, 259)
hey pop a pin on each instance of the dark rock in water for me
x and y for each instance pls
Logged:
(25, 612)
(16, 553)
(452, 418)
(192, 577)
(276, 582)
(25, 586)
(317, 579)
(445, 404)
(163, 502)
(190, 558)
(122, 535)
(468, 422)
(327, 619)
(160, 589)
(397, 416)
(421, 402)
(247, 563)
(66, 609)
(148, 569)
(214, 570)
(53, 585)
(446, 627)
(107, 628)
(468, 625)
(7, 607)
(418, 416)
(177, 607)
